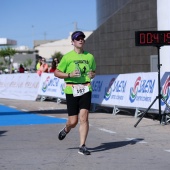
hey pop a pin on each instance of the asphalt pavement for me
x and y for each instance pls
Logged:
(114, 142)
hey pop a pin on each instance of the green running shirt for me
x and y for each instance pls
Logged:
(68, 64)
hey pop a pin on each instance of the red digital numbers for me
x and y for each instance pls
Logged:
(156, 38)
(152, 38)
(149, 38)
(167, 38)
(142, 38)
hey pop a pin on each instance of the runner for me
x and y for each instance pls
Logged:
(77, 68)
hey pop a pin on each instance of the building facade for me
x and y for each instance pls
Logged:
(47, 49)
(113, 42)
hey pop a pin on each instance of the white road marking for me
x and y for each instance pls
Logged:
(24, 110)
(50, 108)
(12, 106)
(105, 130)
(136, 140)
(63, 118)
(50, 116)
(167, 150)
(56, 117)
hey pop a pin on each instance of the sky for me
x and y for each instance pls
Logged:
(28, 20)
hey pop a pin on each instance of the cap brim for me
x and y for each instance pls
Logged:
(77, 35)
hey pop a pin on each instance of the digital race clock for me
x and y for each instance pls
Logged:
(152, 38)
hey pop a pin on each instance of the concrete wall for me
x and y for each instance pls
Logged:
(107, 8)
(21, 58)
(113, 43)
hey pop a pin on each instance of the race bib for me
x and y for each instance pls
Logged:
(79, 90)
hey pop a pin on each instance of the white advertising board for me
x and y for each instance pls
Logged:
(19, 86)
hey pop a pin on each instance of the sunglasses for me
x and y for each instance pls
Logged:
(79, 38)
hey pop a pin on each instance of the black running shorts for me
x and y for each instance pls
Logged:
(74, 104)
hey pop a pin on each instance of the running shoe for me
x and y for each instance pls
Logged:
(62, 134)
(83, 150)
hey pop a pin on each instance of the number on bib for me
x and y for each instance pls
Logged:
(79, 90)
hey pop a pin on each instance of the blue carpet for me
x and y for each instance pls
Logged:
(13, 117)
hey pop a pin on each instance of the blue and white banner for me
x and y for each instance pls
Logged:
(135, 90)
(51, 86)
(132, 90)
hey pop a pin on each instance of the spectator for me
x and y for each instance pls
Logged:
(39, 63)
(21, 69)
(56, 60)
(13, 70)
(43, 68)
(54, 65)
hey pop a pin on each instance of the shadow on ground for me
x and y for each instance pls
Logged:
(2, 132)
(112, 145)
(60, 111)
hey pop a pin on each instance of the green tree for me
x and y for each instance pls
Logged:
(25, 64)
(57, 55)
(7, 52)
(3, 54)
(2, 66)
(29, 62)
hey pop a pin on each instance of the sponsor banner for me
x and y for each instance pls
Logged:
(165, 89)
(101, 87)
(51, 86)
(19, 86)
(135, 90)
(126, 90)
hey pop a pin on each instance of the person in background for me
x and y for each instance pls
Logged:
(39, 63)
(56, 60)
(13, 70)
(43, 68)
(21, 69)
(54, 65)
(77, 68)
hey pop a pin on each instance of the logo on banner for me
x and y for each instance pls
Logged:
(97, 87)
(134, 90)
(45, 84)
(141, 87)
(50, 84)
(62, 87)
(108, 90)
(165, 90)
